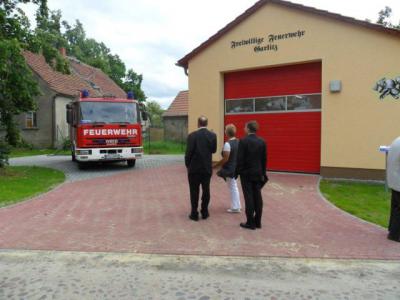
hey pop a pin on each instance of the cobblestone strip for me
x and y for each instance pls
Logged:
(67, 275)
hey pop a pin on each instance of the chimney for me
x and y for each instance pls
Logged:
(63, 52)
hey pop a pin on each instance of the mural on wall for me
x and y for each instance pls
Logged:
(388, 87)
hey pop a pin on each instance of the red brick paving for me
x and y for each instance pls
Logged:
(145, 211)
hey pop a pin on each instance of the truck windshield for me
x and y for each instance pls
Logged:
(108, 112)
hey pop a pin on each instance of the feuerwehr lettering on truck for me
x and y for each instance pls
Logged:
(110, 132)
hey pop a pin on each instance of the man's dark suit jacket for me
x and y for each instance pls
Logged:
(252, 158)
(201, 144)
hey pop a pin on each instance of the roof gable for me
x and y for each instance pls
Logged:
(65, 84)
(180, 105)
(96, 78)
(183, 62)
(82, 77)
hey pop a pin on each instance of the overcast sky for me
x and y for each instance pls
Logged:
(151, 35)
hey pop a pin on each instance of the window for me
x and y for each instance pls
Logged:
(304, 102)
(31, 119)
(292, 103)
(108, 112)
(270, 104)
(239, 106)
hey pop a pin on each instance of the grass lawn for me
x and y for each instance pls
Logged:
(19, 152)
(163, 147)
(19, 183)
(367, 201)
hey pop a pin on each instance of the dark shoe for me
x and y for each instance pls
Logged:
(393, 238)
(247, 226)
(258, 226)
(194, 217)
(205, 215)
(219, 174)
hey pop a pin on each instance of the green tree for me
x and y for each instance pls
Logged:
(133, 82)
(13, 22)
(117, 70)
(4, 152)
(18, 87)
(48, 38)
(42, 15)
(384, 16)
(98, 55)
(155, 113)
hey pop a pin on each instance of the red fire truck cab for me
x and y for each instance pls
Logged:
(105, 129)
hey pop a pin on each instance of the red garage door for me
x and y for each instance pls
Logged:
(286, 102)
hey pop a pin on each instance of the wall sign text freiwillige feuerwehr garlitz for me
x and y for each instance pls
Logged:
(267, 43)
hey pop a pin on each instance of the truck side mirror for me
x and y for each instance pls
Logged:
(70, 117)
(145, 116)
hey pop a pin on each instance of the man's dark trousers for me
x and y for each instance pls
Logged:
(394, 223)
(253, 200)
(201, 144)
(195, 181)
(251, 166)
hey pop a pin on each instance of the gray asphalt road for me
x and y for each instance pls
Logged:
(73, 173)
(66, 275)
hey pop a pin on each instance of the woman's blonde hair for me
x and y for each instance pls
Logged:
(230, 130)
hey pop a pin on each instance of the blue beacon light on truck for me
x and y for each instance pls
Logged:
(130, 95)
(85, 94)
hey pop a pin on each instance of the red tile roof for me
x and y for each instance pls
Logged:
(69, 85)
(82, 77)
(183, 62)
(96, 77)
(180, 105)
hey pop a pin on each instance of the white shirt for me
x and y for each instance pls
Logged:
(227, 146)
(393, 165)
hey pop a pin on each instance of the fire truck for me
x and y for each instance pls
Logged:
(105, 129)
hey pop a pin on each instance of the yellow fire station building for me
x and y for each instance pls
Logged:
(324, 88)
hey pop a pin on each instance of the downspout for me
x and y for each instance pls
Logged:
(53, 122)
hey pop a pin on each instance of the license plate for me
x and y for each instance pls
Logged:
(111, 142)
(111, 156)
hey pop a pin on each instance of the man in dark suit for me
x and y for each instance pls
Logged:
(393, 181)
(251, 166)
(201, 144)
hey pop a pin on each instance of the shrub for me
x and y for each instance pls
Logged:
(66, 144)
(24, 145)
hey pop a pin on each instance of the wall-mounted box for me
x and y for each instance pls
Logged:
(335, 86)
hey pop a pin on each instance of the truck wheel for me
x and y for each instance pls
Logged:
(131, 163)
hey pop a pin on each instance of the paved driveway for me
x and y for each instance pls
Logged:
(145, 211)
(73, 173)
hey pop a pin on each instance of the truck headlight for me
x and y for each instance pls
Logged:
(137, 150)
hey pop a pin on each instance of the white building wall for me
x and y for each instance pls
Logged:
(61, 126)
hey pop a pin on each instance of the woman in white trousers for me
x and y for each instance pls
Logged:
(228, 167)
